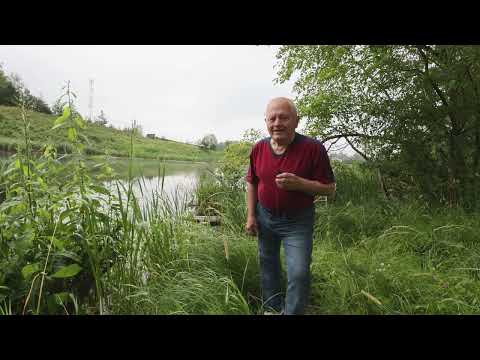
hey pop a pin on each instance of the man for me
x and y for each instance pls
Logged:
(286, 171)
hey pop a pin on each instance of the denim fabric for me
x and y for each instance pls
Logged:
(296, 233)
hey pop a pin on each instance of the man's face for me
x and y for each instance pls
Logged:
(281, 121)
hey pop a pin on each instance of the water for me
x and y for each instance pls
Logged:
(179, 178)
(176, 187)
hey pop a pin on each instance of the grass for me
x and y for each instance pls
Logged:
(369, 258)
(101, 139)
(70, 246)
(375, 257)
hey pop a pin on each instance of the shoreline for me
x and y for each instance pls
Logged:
(8, 153)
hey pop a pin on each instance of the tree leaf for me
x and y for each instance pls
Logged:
(58, 243)
(68, 271)
(29, 270)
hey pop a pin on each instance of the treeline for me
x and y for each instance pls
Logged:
(412, 112)
(10, 90)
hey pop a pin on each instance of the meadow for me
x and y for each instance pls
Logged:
(70, 246)
(100, 139)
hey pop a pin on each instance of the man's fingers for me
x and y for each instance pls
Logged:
(252, 229)
(284, 175)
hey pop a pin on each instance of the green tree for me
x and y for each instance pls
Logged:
(8, 92)
(253, 135)
(10, 89)
(410, 111)
(101, 119)
(209, 142)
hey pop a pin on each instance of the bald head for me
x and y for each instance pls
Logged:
(281, 119)
(285, 102)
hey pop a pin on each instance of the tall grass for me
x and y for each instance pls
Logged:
(369, 257)
(70, 245)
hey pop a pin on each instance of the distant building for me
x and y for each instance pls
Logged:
(151, 136)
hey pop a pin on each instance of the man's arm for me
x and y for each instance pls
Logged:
(292, 182)
(251, 199)
(251, 225)
(313, 187)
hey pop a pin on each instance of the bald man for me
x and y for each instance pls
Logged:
(287, 170)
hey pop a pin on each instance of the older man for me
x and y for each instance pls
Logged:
(286, 171)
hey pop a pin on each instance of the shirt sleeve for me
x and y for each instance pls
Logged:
(322, 170)
(252, 177)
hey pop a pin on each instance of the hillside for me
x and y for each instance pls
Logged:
(101, 139)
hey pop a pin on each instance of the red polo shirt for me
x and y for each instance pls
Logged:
(305, 157)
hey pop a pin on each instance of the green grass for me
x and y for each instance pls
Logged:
(101, 139)
(377, 257)
(371, 255)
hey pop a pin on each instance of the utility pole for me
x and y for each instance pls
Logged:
(90, 103)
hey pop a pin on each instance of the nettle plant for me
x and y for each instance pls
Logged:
(58, 226)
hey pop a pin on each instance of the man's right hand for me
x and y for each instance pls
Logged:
(251, 227)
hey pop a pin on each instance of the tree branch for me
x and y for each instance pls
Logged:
(439, 92)
(331, 137)
(333, 143)
(357, 150)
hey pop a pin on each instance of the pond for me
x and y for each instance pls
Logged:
(175, 180)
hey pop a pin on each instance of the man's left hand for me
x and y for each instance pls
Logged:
(289, 181)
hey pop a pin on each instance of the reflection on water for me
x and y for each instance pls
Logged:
(177, 187)
(177, 190)
(174, 182)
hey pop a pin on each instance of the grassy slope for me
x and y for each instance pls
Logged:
(102, 139)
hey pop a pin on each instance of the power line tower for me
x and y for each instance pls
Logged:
(90, 103)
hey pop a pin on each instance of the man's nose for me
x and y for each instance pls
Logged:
(276, 121)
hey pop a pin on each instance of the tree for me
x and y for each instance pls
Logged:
(57, 108)
(410, 111)
(101, 119)
(253, 135)
(209, 142)
(59, 105)
(39, 105)
(12, 88)
(7, 90)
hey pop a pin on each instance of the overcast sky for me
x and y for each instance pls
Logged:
(180, 92)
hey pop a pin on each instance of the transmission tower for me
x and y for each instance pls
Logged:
(90, 103)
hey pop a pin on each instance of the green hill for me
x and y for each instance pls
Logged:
(101, 139)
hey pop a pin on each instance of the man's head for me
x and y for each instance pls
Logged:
(282, 119)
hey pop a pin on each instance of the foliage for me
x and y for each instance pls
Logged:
(234, 163)
(12, 87)
(209, 141)
(101, 118)
(371, 255)
(7, 90)
(412, 111)
(55, 237)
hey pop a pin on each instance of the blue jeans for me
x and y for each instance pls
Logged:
(296, 232)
